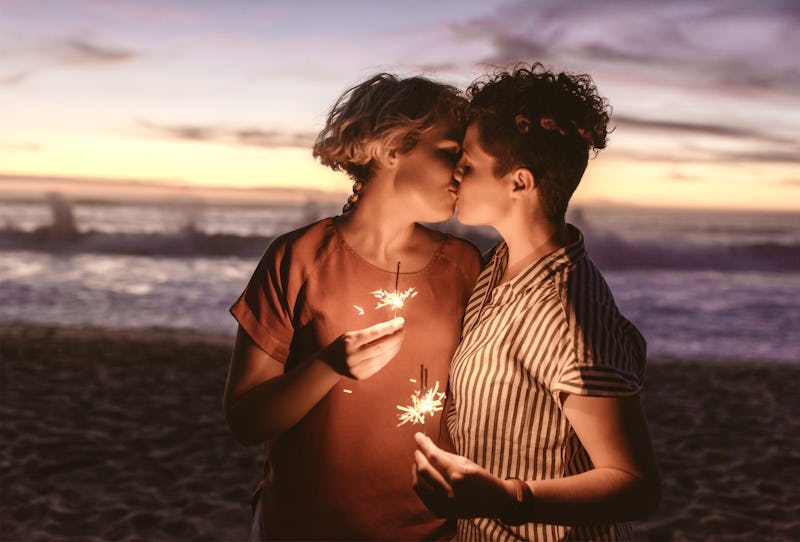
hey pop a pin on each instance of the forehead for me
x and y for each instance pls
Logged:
(472, 142)
(445, 130)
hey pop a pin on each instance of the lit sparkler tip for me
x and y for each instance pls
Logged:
(395, 300)
(423, 404)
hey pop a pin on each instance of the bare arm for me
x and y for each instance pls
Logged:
(623, 485)
(262, 400)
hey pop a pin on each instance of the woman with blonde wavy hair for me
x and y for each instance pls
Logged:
(317, 370)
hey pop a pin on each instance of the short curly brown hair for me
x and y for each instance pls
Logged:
(383, 114)
(547, 122)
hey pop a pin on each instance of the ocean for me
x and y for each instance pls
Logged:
(708, 285)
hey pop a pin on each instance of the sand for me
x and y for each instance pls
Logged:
(110, 435)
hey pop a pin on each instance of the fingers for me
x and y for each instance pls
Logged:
(436, 460)
(429, 478)
(370, 334)
(436, 456)
(453, 468)
(373, 356)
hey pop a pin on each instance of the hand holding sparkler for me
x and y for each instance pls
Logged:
(452, 486)
(361, 353)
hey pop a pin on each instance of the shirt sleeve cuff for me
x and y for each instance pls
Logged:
(599, 381)
(272, 346)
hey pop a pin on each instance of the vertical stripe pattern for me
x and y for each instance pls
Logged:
(552, 329)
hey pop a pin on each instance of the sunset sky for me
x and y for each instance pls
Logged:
(706, 95)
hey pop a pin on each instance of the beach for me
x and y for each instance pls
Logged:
(111, 435)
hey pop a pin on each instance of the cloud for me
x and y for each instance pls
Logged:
(249, 137)
(731, 46)
(718, 130)
(83, 53)
(15, 78)
(21, 146)
(74, 52)
(712, 156)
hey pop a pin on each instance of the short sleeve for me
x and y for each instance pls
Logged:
(263, 309)
(606, 353)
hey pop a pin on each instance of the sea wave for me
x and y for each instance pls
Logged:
(609, 251)
(612, 252)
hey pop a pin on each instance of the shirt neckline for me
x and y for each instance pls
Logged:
(537, 271)
(343, 242)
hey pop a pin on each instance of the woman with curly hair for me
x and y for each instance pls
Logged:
(317, 371)
(546, 411)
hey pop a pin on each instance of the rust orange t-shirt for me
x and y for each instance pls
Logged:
(344, 471)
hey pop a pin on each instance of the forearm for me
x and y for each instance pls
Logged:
(274, 406)
(601, 495)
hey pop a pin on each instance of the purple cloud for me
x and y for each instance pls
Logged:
(81, 52)
(250, 137)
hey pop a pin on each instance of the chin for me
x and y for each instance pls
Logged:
(439, 215)
(464, 218)
(443, 217)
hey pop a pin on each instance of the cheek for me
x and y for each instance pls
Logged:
(480, 197)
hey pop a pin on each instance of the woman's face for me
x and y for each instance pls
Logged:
(424, 180)
(482, 196)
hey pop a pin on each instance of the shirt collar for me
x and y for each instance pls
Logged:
(535, 273)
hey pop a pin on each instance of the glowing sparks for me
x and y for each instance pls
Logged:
(360, 310)
(423, 404)
(394, 300)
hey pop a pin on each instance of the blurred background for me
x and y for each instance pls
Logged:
(150, 150)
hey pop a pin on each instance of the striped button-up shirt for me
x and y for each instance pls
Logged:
(553, 329)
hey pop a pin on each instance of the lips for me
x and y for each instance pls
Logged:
(453, 188)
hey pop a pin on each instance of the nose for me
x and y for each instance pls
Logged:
(458, 171)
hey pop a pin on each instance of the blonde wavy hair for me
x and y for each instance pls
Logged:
(383, 114)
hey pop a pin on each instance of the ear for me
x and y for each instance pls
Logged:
(523, 182)
(391, 158)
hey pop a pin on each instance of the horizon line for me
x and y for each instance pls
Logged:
(153, 189)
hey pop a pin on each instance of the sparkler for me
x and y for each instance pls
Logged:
(422, 404)
(395, 299)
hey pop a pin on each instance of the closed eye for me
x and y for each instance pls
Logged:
(451, 154)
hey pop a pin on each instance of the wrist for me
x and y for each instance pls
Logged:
(520, 504)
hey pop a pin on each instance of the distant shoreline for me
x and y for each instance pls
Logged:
(32, 188)
(87, 190)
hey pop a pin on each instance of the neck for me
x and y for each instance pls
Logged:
(529, 238)
(376, 228)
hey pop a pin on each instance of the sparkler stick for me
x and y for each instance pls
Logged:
(396, 284)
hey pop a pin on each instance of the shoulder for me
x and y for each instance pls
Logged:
(304, 242)
(582, 280)
(454, 251)
(593, 313)
(294, 254)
